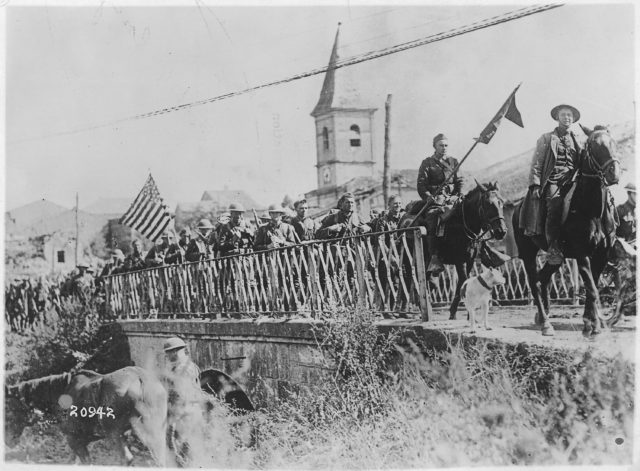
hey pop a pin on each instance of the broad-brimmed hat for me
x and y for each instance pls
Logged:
(556, 109)
(236, 208)
(83, 265)
(265, 216)
(205, 224)
(630, 187)
(174, 343)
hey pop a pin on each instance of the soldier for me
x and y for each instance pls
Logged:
(627, 216)
(165, 253)
(275, 233)
(135, 260)
(182, 381)
(185, 237)
(389, 220)
(235, 237)
(432, 174)
(82, 284)
(345, 222)
(304, 226)
(555, 160)
(114, 265)
(199, 248)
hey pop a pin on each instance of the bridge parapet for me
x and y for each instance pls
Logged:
(384, 272)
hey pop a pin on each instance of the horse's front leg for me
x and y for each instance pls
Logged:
(591, 316)
(463, 270)
(79, 447)
(544, 277)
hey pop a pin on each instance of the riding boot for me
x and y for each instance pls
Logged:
(435, 264)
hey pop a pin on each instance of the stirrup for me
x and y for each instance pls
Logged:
(554, 256)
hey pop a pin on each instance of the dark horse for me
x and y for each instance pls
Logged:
(129, 398)
(477, 216)
(584, 233)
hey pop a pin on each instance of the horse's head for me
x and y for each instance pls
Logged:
(489, 205)
(601, 156)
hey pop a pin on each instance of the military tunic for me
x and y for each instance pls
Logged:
(627, 216)
(271, 235)
(305, 228)
(234, 240)
(433, 172)
(339, 224)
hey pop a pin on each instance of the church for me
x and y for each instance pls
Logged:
(345, 136)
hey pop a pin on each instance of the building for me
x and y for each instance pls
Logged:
(211, 205)
(344, 136)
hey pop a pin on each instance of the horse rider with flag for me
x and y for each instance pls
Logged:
(438, 197)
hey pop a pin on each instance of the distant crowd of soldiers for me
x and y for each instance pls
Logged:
(28, 300)
(233, 235)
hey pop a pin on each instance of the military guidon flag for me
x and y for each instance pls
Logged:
(148, 214)
(509, 111)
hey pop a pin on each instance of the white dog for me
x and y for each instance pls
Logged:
(476, 293)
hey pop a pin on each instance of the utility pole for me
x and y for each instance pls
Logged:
(387, 147)
(77, 228)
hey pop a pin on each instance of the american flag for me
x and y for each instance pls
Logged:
(148, 214)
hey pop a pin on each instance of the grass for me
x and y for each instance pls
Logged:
(387, 407)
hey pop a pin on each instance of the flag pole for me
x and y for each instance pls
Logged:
(501, 112)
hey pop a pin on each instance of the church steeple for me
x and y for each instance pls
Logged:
(344, 126)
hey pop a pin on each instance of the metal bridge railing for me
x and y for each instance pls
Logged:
(384, 272)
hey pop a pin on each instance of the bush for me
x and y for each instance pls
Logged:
(65, 339)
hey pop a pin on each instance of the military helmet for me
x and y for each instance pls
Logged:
(236, 208)
(274, 208)
(266, 216)
(84, 265)
(205, 224)
(174, 343)
(630, 187)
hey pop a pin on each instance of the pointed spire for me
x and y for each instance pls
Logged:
(329, 84)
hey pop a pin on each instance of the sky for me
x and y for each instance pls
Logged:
(69, 68)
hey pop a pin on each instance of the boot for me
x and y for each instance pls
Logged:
(435, 264)
(554, 254)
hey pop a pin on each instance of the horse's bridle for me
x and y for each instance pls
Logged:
(488, 225)
(600, 169)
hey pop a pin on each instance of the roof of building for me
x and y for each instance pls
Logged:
(223, 198)
(339, 90)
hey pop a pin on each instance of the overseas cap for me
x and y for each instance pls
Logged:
(574, 110)
(439, 137)
(174, 343)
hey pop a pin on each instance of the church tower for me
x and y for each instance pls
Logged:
(344, 146)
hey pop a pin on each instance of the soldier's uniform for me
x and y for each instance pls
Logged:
(274, 233)
(305, 228)
(627, 216)
(339, 224)
(199, 247)
(235, 237)
(433, 172)
(134, 261)
(386, 221)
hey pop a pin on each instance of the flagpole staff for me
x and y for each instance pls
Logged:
(485, 136)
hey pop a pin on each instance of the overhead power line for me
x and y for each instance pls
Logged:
(478, 25)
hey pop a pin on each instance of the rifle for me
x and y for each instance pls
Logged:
(257, 219)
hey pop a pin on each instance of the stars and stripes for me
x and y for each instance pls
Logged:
(148, 214)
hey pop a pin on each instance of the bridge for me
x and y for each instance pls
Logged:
(253, 315)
